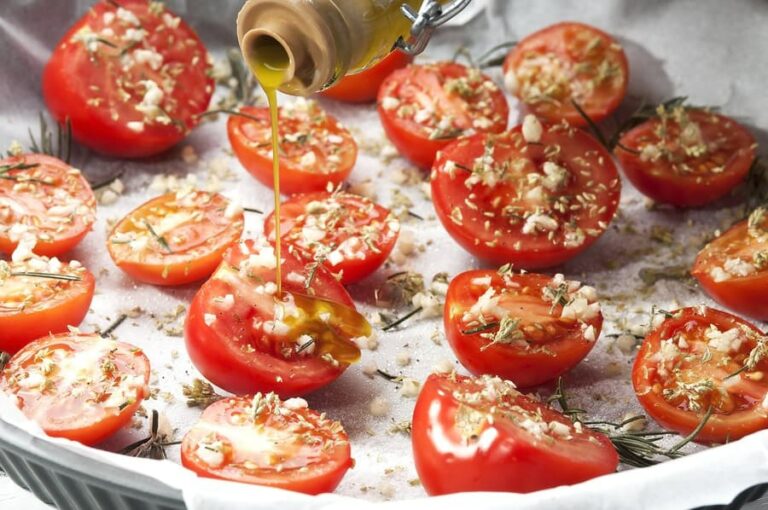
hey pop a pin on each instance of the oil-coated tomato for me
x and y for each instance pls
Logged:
(483, 435)
(79, 387)
(245, 337)
(733, 268)
(39, 296)
(44, 198)
(363, 87)
(535, 196)
(686, 157)
(350, 234)
(699, 360)
(567, 62)
(527, 328)
(176, 238)
(132, 79)
(264, 441)
(315, 149)
(423, 108)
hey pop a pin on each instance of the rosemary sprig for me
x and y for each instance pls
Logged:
(160, 239)
(487, 58)
(50, 276)
(200, 394)
(4, 169)
(112, 327)
(643, 113)
(480, 329)
(389, 377)
(756, 185)
(63, 147)
(152, 447)
(402, 319)
(244, 92)
(253, 210)
(4, 359)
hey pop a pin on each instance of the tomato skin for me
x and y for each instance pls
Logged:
(556, 40)
(244, 136)
(19, 329)
(55, 170)
(659, 181)
(524, 366)
(719, 428)
(363, 87)
(69, 75)
(426, 83)
(502, 459)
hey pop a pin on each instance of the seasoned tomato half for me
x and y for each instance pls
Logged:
(363, 87)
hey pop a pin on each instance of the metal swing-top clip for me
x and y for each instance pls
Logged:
(430, 16)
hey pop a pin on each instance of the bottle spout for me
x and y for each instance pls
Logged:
(269, 57)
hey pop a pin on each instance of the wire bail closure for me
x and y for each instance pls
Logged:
(430, 16)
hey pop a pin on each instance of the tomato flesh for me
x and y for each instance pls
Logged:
(483, 435)
(423, 108)
(79, 387)
(567, 62)
(352, 235)
(132, 80)
(316, 151)
(534, 204)
(363, 87)
(527, 328)
(684, 368)
(263, 441)
(686, 157)
(176, 238)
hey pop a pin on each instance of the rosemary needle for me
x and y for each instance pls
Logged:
(50, 276)
(402, 319)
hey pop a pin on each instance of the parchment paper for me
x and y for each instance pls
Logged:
(712, 51)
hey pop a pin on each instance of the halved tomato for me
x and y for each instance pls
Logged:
(567, 62)
(482, 434)
(39, 296)
(131, 77)
(363, 87)
(43, 197)
(264, 441)
(686, 157)
(527, 328)
(423, 108)
(350, 234)
(316, 151)
(699, 360)
(176, 238)
(245, 337)
(535, 196)
(733, 268)
(79, 387)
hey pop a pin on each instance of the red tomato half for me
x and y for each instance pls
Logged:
(264, 441)
(245, 338)
(532, 204)
(483, 435)
(79, 387)
(39, 296)
(363, 87)
(685, 157)
(43, 197)
(176, 238)
(686, 365)
(423, 108)
(315, 149)
(131, 79)
(352, 235)
(568, 62)
(733, 268)
(528, 328)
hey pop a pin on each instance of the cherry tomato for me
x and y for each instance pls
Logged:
(733, 268)
(43, 197)
(316, 151)
(483, 435)
(527, 328)
(423, 108)
(264, 441)
(686, 157)
(39, 296)
(79, 387)
(701, 359)
(246, 338)
(352, 235)
(567, 62)
(363, 87)
(132, 79)
(176, 238)
(533, 203)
